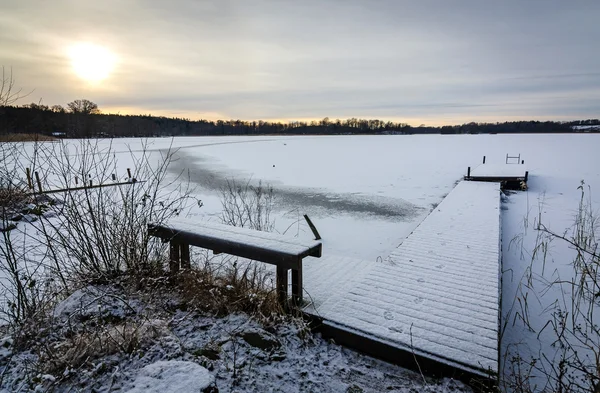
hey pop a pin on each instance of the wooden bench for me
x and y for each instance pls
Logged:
(283, 251)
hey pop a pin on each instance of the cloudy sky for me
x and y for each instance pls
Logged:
(425, 61)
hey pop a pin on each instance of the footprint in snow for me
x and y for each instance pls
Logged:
(396, 329)
(440, 266)
(419, 300)
(388, 315)
(420, 280)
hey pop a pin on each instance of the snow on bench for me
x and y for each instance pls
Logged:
(283, 251)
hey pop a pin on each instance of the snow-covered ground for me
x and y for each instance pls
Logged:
(150, 343)
(367, 193)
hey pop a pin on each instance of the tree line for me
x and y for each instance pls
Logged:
(83, 119)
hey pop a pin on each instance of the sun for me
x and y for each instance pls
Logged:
(91, 62)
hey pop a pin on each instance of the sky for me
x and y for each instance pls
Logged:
(421, 62)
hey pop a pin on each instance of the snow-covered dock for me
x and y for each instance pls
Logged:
(498, 172)
(435, 298)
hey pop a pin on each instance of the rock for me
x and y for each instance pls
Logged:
(261, 340)
(173, 376)
(5, 226)
(16, 217)
(93, 302)
(209, 353)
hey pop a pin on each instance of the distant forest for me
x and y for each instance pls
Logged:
(82, 119)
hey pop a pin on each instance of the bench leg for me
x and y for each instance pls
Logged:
(185, 255)
(282, 284)
(174, 256)
(297, 284)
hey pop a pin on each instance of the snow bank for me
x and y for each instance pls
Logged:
(172, 376)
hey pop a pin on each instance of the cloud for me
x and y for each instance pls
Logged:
(427, 60)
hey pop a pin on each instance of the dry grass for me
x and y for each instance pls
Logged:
(239, 287)
(10, 197)
(98, 341)
(26, 138)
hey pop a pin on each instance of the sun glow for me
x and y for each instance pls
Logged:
(91, 62)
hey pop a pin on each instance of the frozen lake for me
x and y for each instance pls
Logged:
(365, 194)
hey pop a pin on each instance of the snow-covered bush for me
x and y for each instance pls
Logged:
(102, 232)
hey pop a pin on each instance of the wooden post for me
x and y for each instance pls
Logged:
(39, 182)
(282, 284)
(114, 177)
(185, 255)
(526, 176)
(522, 162)
(468, 172)
(507, 158)
(484, 159)
(174, 256)
(297, 284)
(313, 228)
(29, 182)
(76, 180)
(128, 173)
(91, 183)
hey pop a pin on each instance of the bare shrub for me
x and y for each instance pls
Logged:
(246, 289)
(247, 206)
(98, 340)
(572, 325)
(91, 234)
(101, 232)
(9, 93)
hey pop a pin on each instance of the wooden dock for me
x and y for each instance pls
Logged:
(511, 174)
(434, 301)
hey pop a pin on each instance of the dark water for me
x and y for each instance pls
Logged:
(316, 201)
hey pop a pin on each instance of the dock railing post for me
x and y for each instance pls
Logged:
(468, 172)
(39, 182)
(29, 182)
(484, 159)
(526, 176)
(312, 227)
